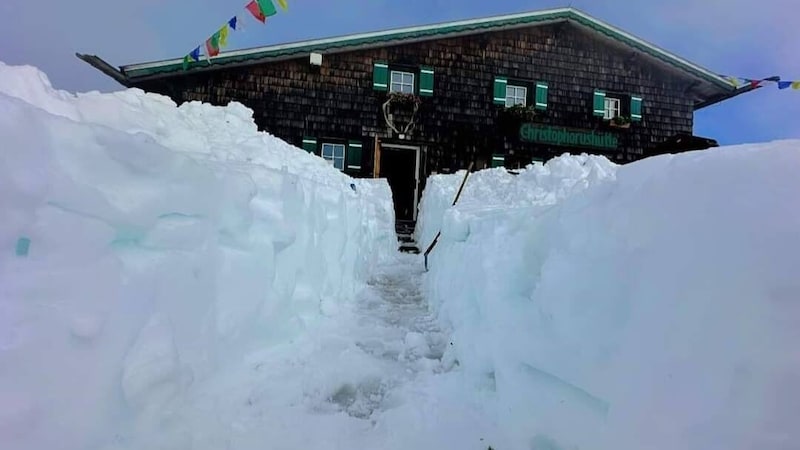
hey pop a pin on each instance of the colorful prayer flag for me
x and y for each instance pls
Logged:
(194, 55)
(255, 10)
(232, 23)
(736, 82)
(212, 45)
(283, 4)
(223, 36)
(267, 7)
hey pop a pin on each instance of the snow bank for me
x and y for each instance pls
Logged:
(497, 188)
(648, 306)
(217, 134)
(145, 246)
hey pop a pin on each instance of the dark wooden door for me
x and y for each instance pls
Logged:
(399, 167)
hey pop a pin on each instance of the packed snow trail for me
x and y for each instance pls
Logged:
(374, 375)
(394, 304)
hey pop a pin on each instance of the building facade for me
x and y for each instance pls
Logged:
(405, 103)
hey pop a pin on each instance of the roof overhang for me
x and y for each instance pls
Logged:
(709, 87)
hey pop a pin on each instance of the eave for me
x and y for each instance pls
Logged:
(136, 73)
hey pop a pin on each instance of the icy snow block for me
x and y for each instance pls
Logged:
(565, 390)
(23, 245)
(86, 326)
(455, 226)
(151, 372)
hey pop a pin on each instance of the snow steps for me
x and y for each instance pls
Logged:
(405, 236)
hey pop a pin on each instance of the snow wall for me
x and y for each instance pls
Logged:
(143, 245)
(648, 306)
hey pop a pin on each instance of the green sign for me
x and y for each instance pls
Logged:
(568, 137)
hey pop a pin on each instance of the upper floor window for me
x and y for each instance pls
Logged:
(516, 95)
(334, 153)
(612, 108)
(402, 82)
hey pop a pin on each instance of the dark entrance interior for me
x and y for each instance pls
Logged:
(398, 166)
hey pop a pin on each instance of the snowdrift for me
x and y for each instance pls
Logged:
(143, 246)
(647, 306)
(497, 188)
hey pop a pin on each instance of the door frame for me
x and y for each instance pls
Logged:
(418, 150)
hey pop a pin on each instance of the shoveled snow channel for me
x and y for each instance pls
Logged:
(361, 377)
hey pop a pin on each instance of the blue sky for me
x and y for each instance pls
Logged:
(737, 37)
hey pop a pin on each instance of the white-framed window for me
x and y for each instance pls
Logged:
(334, 154)
(516, 95)
(402, 82)
(612, 108)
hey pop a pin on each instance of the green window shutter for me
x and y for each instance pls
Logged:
(354, 149)
(636, 108)
(310, 144)
(380, 76)
(500, 84)
(599, 103)
(541, 95)
(498, 159)
(426, 81)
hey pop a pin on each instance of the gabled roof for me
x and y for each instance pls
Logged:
(130, 74)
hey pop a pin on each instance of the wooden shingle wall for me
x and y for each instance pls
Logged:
(292, 99)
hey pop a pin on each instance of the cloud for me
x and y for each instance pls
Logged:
(48, 33)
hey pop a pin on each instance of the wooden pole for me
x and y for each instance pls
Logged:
(376, 163)
(458, 194)
(463, 182)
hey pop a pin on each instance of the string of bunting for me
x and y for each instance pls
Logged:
(782, 84)
(259, 9)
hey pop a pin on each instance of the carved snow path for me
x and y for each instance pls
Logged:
(369, 376)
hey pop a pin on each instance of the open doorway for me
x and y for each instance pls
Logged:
(399, 164)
